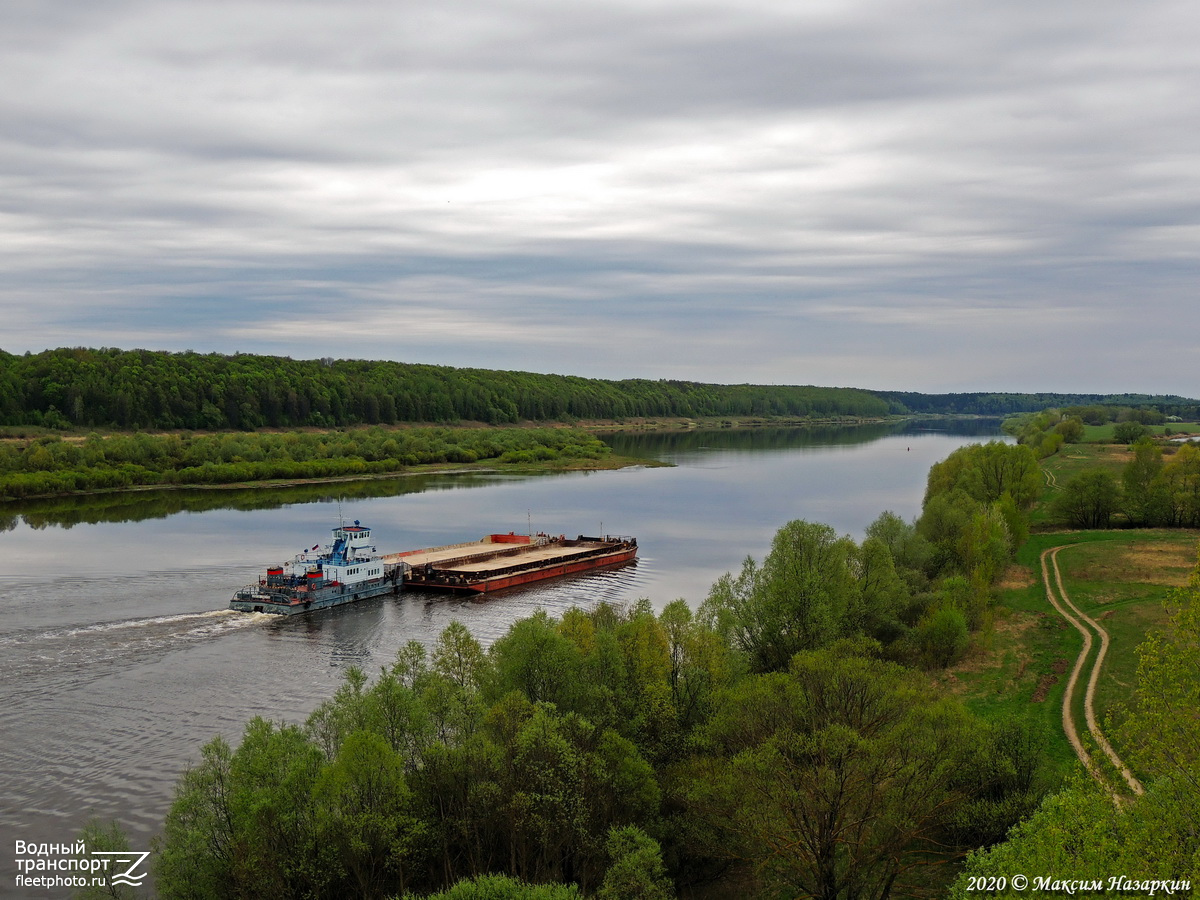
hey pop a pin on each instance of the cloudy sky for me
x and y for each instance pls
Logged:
(921, 195)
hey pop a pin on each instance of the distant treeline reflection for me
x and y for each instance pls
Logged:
(139, 505)
(665, 443)
(136, 506)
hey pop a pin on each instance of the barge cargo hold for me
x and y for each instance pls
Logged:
(501, 561)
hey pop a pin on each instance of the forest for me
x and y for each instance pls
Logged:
(1003, 404)
(128, 389)
(80, 388)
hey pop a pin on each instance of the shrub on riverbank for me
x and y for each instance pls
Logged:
(51, 465)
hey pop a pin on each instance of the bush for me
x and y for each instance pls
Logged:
(1128, 432)
(1088, 500)
(501, 887)
(942, 638)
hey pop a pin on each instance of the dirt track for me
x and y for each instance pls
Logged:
(1055, 592)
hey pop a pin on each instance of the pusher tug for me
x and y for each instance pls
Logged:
(345, 570)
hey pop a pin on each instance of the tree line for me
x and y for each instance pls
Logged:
(1159, 487)
(1048, 429)
(51, 465)
(129, 389)
(1153, 490)
(984, 403)
(126, 389)
(784, 732)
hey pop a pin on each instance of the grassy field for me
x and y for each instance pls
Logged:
(1069, 462)
(1073, 459)
(1122, 584)
(1101, 433)
(1020, 666)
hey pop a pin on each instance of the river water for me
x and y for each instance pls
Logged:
(118, 659)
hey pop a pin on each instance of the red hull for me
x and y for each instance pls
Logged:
(496, 564)
(500, 582)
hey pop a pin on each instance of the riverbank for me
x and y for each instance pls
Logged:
(38, 463)
(20, 433)
(610, 463)
(53, 466)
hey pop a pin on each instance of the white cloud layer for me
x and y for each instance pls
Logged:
(907, 194)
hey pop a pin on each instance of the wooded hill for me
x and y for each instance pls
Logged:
(149, 389)
(1003, 404)
(112, 388)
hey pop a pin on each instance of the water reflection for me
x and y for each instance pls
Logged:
(670, 444)
(136, 506)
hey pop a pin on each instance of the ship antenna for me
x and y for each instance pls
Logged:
(341, 521)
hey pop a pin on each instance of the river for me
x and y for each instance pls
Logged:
(118, 659)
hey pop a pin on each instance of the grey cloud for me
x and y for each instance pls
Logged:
(919, 195)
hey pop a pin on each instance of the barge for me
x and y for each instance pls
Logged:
(500, 561)
(345, 570)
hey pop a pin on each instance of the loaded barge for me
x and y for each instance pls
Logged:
(345, 570)
(500, 561)
(349, 569)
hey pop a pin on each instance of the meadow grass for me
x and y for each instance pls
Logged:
(1104, 433)
(1068, 462)
(1019, 666)
(1123, 584)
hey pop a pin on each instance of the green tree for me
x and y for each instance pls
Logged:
(883, 594)
(909, 550)
(1073, 835)
(458, 656)
(195, 859)
(942, 638)
(1005, 782)
(501, 887)
(1128, 432)
(836, 778)
(1142, 502)
(368, 818)
(636, 871)
(984, 547)
(1177, 488)
(986, 472)
(1088, 500)
(272, 774)
(536, 660)
(1071, 429)
(945, 519)
(700, 663)
(561, 782)
(804, 596)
